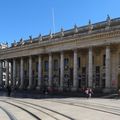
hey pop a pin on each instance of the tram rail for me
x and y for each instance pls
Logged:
(49, 112)
(32, 115)
(97, 107)
(9, 114)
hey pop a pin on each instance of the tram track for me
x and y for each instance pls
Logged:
(10, 115)
(96, 107)
(30, 113)
(49, 112)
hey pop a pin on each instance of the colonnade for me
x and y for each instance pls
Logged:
(75, 70)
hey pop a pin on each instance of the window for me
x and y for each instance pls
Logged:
(25, 72)
(66, 61)
(55, 64)
(79, 62)
(84, 70)
(104, 60)
(46, 66)
(93, 60)
(36, 66)
(119, 59)
(97, 69)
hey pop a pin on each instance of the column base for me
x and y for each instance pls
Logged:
(74, 89)
(38, 88)
(60, 89)
(21, 87)
(107, 90)
(13, 87)
(29, 87)
(50, 89)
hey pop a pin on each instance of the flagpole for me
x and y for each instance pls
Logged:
(53, 19)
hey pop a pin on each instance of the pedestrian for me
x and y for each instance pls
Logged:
(119, 92)
(9, 90)
(87, 92)
(90, 92)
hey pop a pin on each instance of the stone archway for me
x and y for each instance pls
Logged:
(119, 80)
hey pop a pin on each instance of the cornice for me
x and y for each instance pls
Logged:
(78, 37)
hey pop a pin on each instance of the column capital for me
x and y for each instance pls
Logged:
(61, 52)
(107, 44)
(90, 47)
(50, 53)
(75, 50)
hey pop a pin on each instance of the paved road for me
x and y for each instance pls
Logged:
(59, 109)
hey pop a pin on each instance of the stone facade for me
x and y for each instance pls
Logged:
(87, 56)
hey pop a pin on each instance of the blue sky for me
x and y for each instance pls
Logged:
(22, 18)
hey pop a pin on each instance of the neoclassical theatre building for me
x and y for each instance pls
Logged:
(87, 56)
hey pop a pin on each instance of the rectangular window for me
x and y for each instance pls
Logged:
(79, 62)
(119, 59)
(36, 66)
(25, 73)
(93, 60)
(66, 61)
(46, 66)
(97, 69)
(104, 60)
(84, 70)
(55, 64)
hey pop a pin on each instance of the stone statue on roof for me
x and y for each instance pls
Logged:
(108, 20)
(15, 43)
(21, 41)
(51, 35)
(76, 28)
(40, 37)
(62, 32)
(90, 26)
(30, 37)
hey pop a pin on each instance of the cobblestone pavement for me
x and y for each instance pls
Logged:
(59, 109)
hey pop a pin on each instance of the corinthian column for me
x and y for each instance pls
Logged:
(75, 72)
(107, 70)
(1, 74)
(39, 71)
(30, 73)
(50, 70)
(7, 73)
(90, 68)
(14, 73)
(61, 70)
(21, 74)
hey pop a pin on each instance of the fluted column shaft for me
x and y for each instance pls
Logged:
(75, 72)
(21, 73)
(90, 68)
(14, 73)
(1, 74)
(107, 70)
(50, 70)
(30, 72)
(61, 70)
(39, 71)
(7, 73)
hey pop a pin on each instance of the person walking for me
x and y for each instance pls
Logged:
(9, 90)
(119, 92)
(87, 93)
(90, 92)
